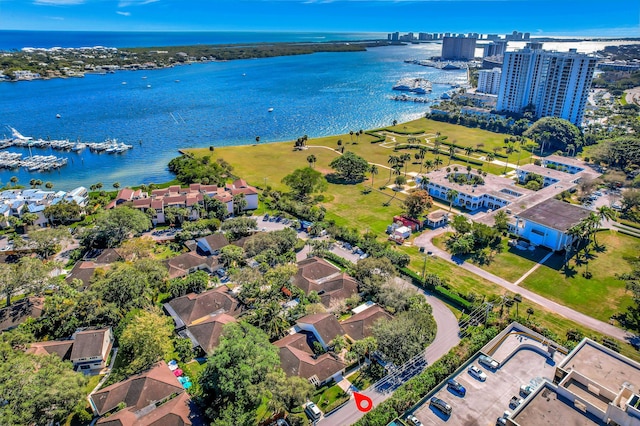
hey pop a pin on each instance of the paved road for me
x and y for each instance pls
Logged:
(446, 338)
(424, 240)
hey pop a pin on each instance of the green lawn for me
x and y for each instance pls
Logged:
(601, 296)
(360, 380)
(511, 264)
(327, 398)
(465, 283)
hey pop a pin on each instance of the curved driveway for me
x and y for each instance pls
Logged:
(446, 338)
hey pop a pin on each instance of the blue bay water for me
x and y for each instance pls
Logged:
(219, 104)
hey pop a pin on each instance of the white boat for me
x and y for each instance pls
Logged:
(124, 82)
(270, 110)
(415, 85)
(148, 86)
(58, 116)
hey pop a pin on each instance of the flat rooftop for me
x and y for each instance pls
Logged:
(555, 214)
(605, 369)
(547, 408)
(492, 184)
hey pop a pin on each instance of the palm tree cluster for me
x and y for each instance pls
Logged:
(586, 229)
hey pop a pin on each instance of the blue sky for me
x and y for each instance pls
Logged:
(557, 17)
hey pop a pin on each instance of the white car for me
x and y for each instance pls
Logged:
(477, 373)
(414, 420)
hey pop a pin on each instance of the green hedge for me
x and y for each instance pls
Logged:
(479, 150)
(468, 160)
(377, 136)
(445, 294)
(334, 258)
(405, 133)
(629, 223)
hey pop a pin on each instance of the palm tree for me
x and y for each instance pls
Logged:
(420, 155)
(395, 122)
(529, 312)
(373, 169)
(351, 134)
(436, 146)
(452, 150)
(32, 182)
(437, 162)
(405, 160)
(257, 139)
(491, 157)
(424, 183)
(311, 159)
(14, 180)
(469, 168)
(393, 161)
(48, 185)
(452, 194)
(429, 165)
(400, 181)
(468, 150)
(339, 142)
(116, 185)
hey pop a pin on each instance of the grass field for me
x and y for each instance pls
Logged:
(601, 296)
(511, 264)
(466, 283)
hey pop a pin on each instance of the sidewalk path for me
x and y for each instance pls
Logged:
(533, 269)
(424, 240)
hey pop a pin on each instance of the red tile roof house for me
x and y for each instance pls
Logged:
(187, 198)
(201, 317)
(359, 326)
(212, 244)
(88, 350)
(325, 327)
(316, 274)
(154, 397)
(83, 270)
(298, 359)
(186, 263)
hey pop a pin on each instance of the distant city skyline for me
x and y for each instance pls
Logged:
(539, 17)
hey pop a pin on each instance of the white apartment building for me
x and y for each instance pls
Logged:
(489, 81)
(555, 84)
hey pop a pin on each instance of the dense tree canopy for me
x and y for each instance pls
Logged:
(234, 380)
(417, 202)
(63, 212)
(113, 226)
(200, 170)
(28, 275)
(304, 182)
(36, 389)
(350, 167)
(239, 227)
(556, 133)
(620, 152)
(145, 340)
(407, 334)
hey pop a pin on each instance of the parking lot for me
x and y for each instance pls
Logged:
(485, 401)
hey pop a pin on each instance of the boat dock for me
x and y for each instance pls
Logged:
(35, 163)
(110, 145)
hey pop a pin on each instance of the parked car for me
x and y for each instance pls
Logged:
(282, 422)
(456, 387)
(313, 411)
(477, 373)
(488, 362)
(347, 246)
(265, 218)
(414, 420)
(440, 405)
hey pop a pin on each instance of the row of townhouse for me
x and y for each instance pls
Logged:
(175, 196)
(17, 202)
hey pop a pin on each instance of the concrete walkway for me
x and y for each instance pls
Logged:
(425, 240)
(533, 269)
